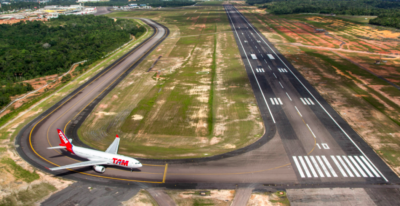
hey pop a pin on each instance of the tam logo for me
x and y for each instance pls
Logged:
(120, 162)
(63, 137)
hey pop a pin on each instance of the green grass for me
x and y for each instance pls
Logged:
(282, 198)
(29, 196)
(171, 107)
(210, 118)
(62, 89)
(19, 172)
(3, 149)
(356, 19)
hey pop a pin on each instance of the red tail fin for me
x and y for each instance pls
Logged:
(64, 140)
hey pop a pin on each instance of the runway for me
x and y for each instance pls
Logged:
(305, 142)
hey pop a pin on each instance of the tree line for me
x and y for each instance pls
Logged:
(388, 12)
(34, 49)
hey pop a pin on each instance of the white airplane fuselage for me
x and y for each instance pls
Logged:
(112, 159)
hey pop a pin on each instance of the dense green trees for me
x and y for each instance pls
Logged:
(33, 49)
(388, 12)
(6, 91)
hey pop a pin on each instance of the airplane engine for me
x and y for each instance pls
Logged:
(100, 169)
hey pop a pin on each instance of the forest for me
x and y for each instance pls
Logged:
(388, 12)
(34, 49)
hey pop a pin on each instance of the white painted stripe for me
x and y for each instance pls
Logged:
(288, 96)
(276, 101)
(281, 85)
(298, 111)
(253, 56)
(310, 166)
(329, 166)
(306, 101)
(265, 61)
(311, 131)
(273, 103)
(338, 166)
(351, 166)
(241, 15)
(369, 166)
(270, 56)
(258, 83)
(256, 47)
(275, 76)
(257, 70)
(263, 70)
(262, 56)
(323, 166)
(279, 99)
(344, 166)
(311, 101)
(269, 67)
(321, 174)
(304, 167)
(298, 167)
(285, 70)
(357, 166)
(303, 101)
(279, 69)
(363, 166)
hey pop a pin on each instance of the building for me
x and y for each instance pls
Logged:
(133, 6)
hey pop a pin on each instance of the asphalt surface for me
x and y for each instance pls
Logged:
(305, 142)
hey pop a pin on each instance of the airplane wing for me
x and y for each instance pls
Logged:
(113, 148)
(80, 164)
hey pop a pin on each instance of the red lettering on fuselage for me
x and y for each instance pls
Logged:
(120, 162)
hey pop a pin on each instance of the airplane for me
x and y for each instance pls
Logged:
(96, 158)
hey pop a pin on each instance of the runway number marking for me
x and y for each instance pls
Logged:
(368, 160)
(324, 145)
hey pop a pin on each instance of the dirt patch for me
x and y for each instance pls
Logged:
(193, 197)
(142, 198)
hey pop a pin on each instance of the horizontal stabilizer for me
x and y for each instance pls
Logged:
(57, 147)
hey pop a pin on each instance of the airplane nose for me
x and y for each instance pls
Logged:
(140, 165)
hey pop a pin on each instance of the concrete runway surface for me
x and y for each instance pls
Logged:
(305, 143)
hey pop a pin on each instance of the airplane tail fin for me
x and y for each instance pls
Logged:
(64, 141)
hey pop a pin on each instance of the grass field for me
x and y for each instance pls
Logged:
(197, 101)
(369, 104)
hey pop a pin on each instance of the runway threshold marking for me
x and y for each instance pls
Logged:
(330, 116)
(30, 134)
(338, 162)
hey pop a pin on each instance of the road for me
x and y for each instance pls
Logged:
(305, 141)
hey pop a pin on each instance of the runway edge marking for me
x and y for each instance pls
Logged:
(316, 100)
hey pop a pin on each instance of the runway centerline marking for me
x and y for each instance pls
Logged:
(297, 110)
(314, 98)
(311, 131)
(288, 96)
(270, 112)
